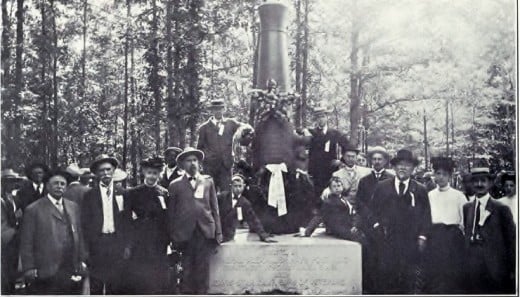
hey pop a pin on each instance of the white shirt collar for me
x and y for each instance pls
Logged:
(380, 172)
(196, 176)
(483, 200)
(54, 200)
(215, 121)
(405, 182)
(74, 183)
(35, 185)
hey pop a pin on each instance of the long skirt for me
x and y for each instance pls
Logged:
(444, 259)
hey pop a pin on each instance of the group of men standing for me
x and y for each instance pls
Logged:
(122, 239)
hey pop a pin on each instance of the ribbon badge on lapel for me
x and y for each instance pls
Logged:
(487, 213)
(413, 199)
(276, 195)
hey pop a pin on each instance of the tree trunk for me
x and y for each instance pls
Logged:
(54, 158)
(305, 58)
(173, 138)
(255, 38)
(298, 65)
(6, 46)
(84, 52)
(155, 78)
(44, 88)
(355, 99)
(125, 113)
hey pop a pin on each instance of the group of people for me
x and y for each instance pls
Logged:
(66, 226)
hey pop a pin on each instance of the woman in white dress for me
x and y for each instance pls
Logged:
(446, 240)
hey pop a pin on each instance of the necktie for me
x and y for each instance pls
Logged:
(40, 188)
(477, 218)
(59, 205)
(401, 188)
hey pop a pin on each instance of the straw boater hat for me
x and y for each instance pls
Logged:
(119, 175)
(190, 151)
(378, 150)
(103, 158)
(74, 170)
(404, 155)
(172, 149)
(11, 175)
(481, 171)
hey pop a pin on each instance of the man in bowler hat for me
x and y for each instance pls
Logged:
(216, 141)
(402, 220)
(193, 221)
(171, 170)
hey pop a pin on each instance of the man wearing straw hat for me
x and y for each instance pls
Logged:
(75, 190)
(491, 238)
(105, 223)
(193, 221)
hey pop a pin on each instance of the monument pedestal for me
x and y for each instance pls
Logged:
(320, 264)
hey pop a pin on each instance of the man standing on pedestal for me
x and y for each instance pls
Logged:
(403, 219)
(216, 141)
(171, 170)
(193, 221)
(325, 144)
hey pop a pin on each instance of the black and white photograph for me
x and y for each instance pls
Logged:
(259, 147)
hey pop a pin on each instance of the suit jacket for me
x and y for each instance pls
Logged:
(351, 177)
(499, 238)
(186, 212)
(338, 219)
(92, 221)
(9, 223)
(165, 180)
(320, 160)
(43, 233)
(75, 192)
(217, 147)
(27, 195)
(229, 219)
(367, 185)
(404, 218)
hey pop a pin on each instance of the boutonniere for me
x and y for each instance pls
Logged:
(486, 215)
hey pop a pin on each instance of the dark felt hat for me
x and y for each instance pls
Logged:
(60, 172)
(351, 148)
(190, 151)
(153, 162)
(103, 158)
(217, 103)
(508, 175)
(33, 165)
(404, 155)
(443, 163)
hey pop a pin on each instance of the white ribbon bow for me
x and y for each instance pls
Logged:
(276, 196)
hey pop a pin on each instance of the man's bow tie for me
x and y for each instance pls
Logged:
(191, 178)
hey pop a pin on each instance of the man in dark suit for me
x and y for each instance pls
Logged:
(491, 237)
(105, 225)
(34, 188)
(52, 248)
(171, 170)
(10, 234)
(234, 208)
(402, 219)
(325, 145)
(378, 157)
(194, 221)
(216, 141)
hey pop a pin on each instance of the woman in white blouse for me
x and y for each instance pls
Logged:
(444, 256)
